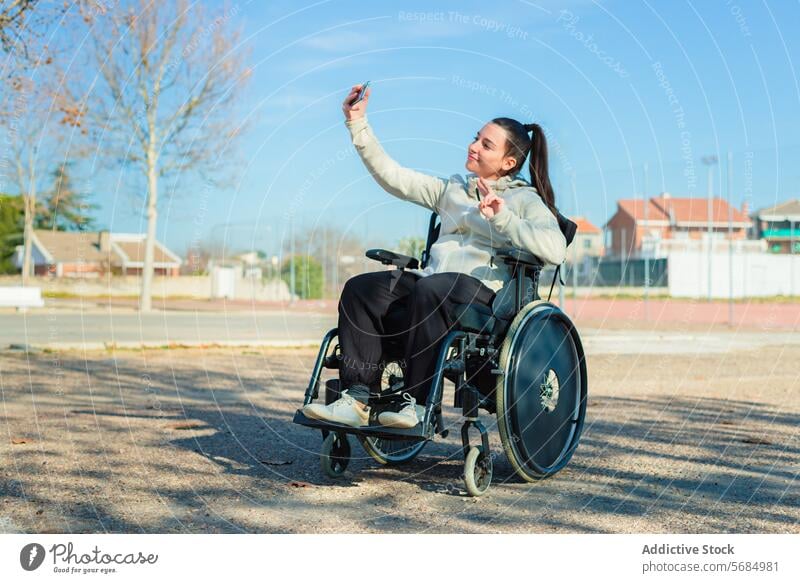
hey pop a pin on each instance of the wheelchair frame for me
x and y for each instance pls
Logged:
(464, 344)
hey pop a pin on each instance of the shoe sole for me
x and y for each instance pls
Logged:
(313, 415)
(310, 413)
(397, 424)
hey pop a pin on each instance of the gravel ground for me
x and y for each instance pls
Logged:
(201, 440)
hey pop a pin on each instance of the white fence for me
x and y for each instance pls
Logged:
(754, 274)
(199, 287)
(21, 297)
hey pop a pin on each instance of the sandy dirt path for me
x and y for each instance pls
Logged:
(202, 441)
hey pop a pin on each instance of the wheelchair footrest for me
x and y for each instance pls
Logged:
(417, 433)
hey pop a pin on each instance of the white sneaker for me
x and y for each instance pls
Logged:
(345, 410)
(407, 417)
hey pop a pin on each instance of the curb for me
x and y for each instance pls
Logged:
(134, 345)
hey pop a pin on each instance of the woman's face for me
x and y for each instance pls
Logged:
(486, 154)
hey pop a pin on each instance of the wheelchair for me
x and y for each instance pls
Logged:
(528, 369)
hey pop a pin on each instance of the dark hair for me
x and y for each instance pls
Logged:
(519, 145)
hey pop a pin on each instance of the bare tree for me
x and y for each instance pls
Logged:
(26, 101)
(339, 253)
(32, 143)
(22, 20)
(169, 79)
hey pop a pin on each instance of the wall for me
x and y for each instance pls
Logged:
(754, 274)
(182, 286)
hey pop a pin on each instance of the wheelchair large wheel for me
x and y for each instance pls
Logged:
(541, 395)
(391, 451)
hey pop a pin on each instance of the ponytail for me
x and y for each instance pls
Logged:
(519, 145)
(538, 166)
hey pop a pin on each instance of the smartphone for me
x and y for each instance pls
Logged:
(361, 94)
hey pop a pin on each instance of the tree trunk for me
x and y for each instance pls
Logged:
(145, 299)
(30, 206)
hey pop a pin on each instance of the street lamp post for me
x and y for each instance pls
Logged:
(791, 257)
(730, 239)
(710, 161)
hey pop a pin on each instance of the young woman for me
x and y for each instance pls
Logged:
(492, 207)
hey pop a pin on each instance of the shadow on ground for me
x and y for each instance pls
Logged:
(208, 446)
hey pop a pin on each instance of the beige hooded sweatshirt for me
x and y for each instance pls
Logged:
(467, 238)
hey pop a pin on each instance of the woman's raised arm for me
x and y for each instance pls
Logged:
(403, 183)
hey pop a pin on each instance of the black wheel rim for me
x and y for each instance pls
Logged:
(393, 450)
(544, 391)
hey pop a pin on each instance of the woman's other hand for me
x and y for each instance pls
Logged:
(358, 110)
(490, 203)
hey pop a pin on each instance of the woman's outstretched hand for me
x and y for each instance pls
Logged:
(490, 203)
(358, 110)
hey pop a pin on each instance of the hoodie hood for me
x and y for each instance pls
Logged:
(499, 185)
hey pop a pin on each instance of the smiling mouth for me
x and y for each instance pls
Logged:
(472, 158)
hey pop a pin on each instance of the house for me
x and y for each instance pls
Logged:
(779, 226)
(91, 254)
(130, 248)
(588, 241)
(665, 223)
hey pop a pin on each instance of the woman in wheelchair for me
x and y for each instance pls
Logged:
(411, 310)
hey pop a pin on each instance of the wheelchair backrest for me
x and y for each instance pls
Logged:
(434, 226)
(567, 227)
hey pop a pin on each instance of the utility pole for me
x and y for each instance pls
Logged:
(574, 252)
(324, 257)
(710, 161)
(646, 255)
(291, 260)
(623, 255)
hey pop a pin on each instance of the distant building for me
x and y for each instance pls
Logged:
(668, 223)
(90, 254)
(250, 264)
(779, 226)
(588, 241)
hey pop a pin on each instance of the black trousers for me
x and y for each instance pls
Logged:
(393, 314)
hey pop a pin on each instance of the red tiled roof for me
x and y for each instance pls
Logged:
(696, 209)
(584, 226)
(684, 210)
(635, 208)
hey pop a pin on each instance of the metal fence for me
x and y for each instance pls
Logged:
(606, 272)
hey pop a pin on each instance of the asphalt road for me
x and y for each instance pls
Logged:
(69, 329)
(89, 329)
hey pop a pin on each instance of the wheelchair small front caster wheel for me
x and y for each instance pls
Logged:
(335, 455)
(477, 471)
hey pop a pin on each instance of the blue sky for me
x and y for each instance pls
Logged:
(616, 85)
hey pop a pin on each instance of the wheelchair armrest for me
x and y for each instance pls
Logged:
(392, 258)
(511, 255)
